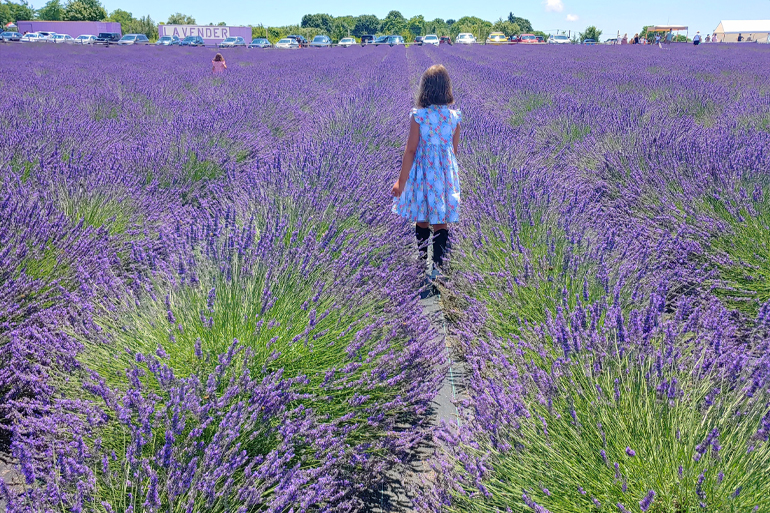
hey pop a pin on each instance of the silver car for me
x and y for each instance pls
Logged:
(85, 39)
(168, 41)
(63, 39)
(232, 42)
(347, 41)
(134, 39)
(30, 37)
(287, 43)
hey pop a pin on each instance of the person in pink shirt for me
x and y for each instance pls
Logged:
(218, 64)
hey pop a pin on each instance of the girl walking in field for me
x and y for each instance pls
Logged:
(427, 190)
(218, 64)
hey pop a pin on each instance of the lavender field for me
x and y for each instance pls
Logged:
(206, 303)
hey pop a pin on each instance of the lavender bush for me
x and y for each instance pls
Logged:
(206, 303)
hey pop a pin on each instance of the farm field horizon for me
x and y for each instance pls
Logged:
(206, 303)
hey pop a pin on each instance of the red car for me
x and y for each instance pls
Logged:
(528, 39)
(445, 40)
(514, 39)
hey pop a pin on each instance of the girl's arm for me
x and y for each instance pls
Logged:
(456, 138)
(224, 65)
(408, 160)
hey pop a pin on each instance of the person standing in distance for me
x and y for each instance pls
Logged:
(696, 39)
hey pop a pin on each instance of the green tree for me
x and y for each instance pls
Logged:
(394, 23)
(144, 25)
(123, 17)
(590, 33)
(473, 25)
(416, 25)
(324, 22)
(84, 10)
(51, 11)
(524, 24)
(450, 22)
(506, 27)
(437, 26)
(13, 12)
(366, 24)
(180, 19)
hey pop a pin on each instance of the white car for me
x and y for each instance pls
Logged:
(85, 39)
(347, 41)
(45, 37)
(30, 37)
(466, 38)
(430, 39)
(559, 40)
(63, 39)
(287, 43)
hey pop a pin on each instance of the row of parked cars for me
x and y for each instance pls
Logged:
(289, 42)
(104, 38)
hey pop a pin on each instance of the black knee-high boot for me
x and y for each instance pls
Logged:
(440, 247)
(423, 236)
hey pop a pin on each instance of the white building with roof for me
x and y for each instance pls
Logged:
(751, 30)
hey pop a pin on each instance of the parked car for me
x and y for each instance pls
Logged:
(7, 37)
(367, 39)
(496, 38)
(430, 39)
(540, 39)
(529, 39)
(611, 41)
(134, 39)
(445, 40)
(321, 42)
(514, 39)
(260, 42)
(45, 37)
(465, 38)
(560, 39)
(85, 39)
(29, 37)
(382, 40)
(394, 40)
(63, 39)
(301, 41)
(232, 42)
(417, 40)
(168, 41)
(589, 41)
(347, 41)
(192, 41)
(288, 43)
(107, 38)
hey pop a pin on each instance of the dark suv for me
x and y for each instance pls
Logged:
(367, 40)
(107, 38)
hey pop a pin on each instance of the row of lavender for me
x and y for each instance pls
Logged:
(206, 304)
(609, 292)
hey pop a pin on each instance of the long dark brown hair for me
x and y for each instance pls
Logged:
(435, 87)
(218, 57)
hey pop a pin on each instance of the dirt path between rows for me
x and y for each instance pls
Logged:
(396, 494)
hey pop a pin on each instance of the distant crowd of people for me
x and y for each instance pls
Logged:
(660, 39)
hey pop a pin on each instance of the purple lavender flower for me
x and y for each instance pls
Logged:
(645, 503)
(630, 452)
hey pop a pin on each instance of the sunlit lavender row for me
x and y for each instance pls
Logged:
(207, 305)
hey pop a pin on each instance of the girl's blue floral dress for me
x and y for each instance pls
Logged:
(432, 191)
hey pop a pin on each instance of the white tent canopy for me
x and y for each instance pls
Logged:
(751, 30)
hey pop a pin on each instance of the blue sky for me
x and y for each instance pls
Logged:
(608, 15)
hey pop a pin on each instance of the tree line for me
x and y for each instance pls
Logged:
(336, 27)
